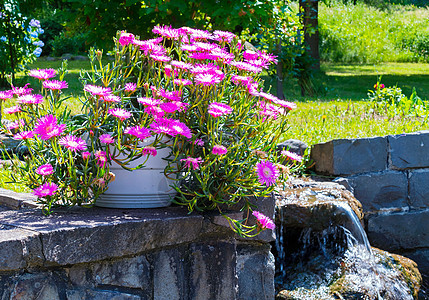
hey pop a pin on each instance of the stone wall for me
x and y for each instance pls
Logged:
(130, 254)
(390, 177)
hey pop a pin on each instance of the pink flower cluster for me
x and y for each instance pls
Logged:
(263, 221)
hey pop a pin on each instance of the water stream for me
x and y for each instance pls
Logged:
(323, 252)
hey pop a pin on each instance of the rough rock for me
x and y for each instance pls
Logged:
(350, 156)
(385, 190)
(295, 146)
(395, 231)
(409, 150)
(419, 193)
(255, 268)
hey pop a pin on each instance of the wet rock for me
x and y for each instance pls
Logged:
(323, 253)
(35, 286)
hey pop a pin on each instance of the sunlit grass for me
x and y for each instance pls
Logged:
(6, 179)
(315, 122)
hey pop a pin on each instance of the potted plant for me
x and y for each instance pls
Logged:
(191, 98)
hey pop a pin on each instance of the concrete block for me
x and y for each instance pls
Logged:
(350, 156)
(409, 150)
(381, 191)
(419, 192)
(399, 231)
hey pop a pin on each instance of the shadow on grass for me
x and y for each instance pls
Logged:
(353, 82)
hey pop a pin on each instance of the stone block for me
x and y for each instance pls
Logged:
(133, 272)
(295, 146)
(85, 235)
(350, 156)
(170, 273)
(79, 294)
(35, 286)
(409, 150)
(381, 191)
(421, 257)
(15, 200)
(212, 274)
(396, 231)
(419, 192)
(255, 271)
(19, 249)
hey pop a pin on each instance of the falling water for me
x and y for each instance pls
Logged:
(317, 262)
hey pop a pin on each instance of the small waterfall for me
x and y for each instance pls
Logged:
(322, 250)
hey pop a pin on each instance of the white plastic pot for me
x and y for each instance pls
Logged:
(143, 188)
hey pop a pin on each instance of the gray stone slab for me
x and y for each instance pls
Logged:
(399, 231)
(93, 294)
(419, 192)
(409, 150)
(15, 200)
(35, 286)
(208, 259)
(171, 273)
(350, 156)
(255, 271)
(19, 249)
(84, 235)
(387, 190)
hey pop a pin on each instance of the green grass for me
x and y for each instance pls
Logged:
(365, 34)
(315, 122)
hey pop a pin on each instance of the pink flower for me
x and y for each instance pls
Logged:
(139, 132)
(170, 107)
(250, 55)
(223, 36)
(181, 65)
(183, 82)
(267, 172)
(30, 99)
(111, 98)
(126, 38)
(43, 73)
(12, 110)
(180, 128)
(148, 101)
(55, 84)
(21, 90)
(47, 127)
(101, 158)
(149, 151)
(160, 57)
(267, 57)
(24, 135)
(45, 170)
(47, 189)
(167, 31)
(199, 34)
(263, 221)
(4, 95)
(15, 124)
(106, 139)
(204, 68)
(244, 80)
(170, 72)
(73, 143)
(241, 65)
(208, 79)
(199, 142)
(171, 95)
(286, 104)
(120, 113)
(217, 109)
(130, 87)
(86, 155)
(219, 150)
(194, 162)
(97, 90)
(171, 127)
(291, 155)
(381, 86)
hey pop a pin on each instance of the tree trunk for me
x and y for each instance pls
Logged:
(309, 10)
